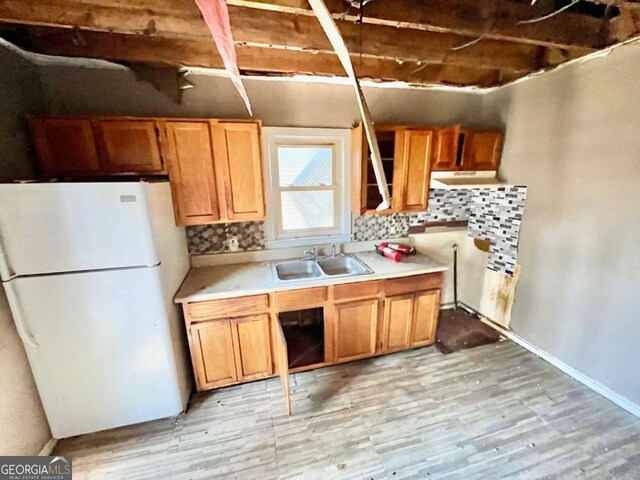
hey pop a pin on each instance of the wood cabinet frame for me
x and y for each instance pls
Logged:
(375, 295)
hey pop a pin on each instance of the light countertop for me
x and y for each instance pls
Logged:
(237, 280)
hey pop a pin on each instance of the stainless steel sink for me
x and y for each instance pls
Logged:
(342, 265)
(318, 269)
(297, 270)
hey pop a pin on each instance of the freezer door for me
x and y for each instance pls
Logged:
(67, 227)
(99, 346)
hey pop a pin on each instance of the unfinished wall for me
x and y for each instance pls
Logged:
(23, 426)
(89, 87)
(573, 138)
(21, 95)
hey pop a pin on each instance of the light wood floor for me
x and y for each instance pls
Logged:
(492, 412)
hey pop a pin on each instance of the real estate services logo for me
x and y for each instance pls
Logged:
(35, 468)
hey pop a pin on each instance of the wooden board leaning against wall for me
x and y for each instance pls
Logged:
(234, 340)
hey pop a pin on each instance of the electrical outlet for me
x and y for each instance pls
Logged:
(234, 246)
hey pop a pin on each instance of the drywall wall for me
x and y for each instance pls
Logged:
(573, 138)
(472, 262)
(94, 87)
(21, 95)
(23, 426)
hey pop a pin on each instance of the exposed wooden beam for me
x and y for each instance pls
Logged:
(493, 19)
(181, 19)
(202, 53)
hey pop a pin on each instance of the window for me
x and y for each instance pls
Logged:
(306, 172)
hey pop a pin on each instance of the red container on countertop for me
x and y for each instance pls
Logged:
(394, 255)
(399, 247)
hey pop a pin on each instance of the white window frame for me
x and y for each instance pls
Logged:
(340, 140)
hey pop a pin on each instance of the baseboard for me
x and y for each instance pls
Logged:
(620, 400)
(48, 447)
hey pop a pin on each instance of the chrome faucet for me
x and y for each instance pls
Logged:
(333, 250)
(311, 254)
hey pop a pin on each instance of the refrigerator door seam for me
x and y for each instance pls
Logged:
(23, 333)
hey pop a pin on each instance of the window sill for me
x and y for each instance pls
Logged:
(307, 241)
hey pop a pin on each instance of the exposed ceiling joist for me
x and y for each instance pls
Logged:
(492, 19)
(202, 53)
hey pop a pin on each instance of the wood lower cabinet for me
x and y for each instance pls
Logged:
(426, 308)
(355, 328)
(241, 339)
(398, 317)
(226, 351)
(252, 347)
(213, 354)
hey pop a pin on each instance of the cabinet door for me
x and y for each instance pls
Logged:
(212, 348)
(417, 148)
(65, 146)
(425, 318)
(252, 349)
(482, 150)
(445, 157)
(238, 162)
(187, 148)
(282, 362)
(130, 146)
(398, 315)
(355, 326)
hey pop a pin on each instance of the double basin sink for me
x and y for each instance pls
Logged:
(318, 268)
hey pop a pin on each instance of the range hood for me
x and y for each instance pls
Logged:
(475, 179)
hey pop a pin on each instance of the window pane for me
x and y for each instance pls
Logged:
(311, 209)
(305, 166)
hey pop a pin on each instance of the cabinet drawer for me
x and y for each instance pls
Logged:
(398, 286)
(227, 307)
(307, 297)
(357, 290)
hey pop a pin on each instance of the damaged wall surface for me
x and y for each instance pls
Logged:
(573, 138)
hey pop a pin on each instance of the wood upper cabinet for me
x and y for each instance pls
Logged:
(65, 146)
(213, 356)
(238, 163)
(412, 175)
(467, 149)
(481, 150)
(129, 146)
(355, 328)
(406, 161)
(398, 317)
(446, 155)
(187, 146)
(426, 308)
(252, 347)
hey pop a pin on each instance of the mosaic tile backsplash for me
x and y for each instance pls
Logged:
(447, 205)
(204, 239)
(495, 216)
(379, 227)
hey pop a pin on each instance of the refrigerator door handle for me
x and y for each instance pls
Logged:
(23, 333)
(5, 271)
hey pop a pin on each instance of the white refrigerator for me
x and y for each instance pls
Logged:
(90, 270)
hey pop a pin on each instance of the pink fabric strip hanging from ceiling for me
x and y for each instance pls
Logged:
(216, 16)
